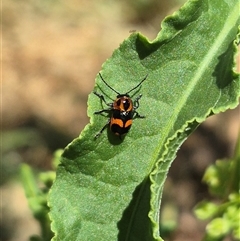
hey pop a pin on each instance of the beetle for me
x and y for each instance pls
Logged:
(122, 110)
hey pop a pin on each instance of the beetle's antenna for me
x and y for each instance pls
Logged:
(108, 85)
(137, 85)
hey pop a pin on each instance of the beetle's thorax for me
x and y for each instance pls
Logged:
(123, 103)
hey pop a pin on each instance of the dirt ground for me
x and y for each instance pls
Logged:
(52, 51)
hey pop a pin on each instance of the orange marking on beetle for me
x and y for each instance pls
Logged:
(128, 123)
(115, 121)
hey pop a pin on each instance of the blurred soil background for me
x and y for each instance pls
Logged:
(52, 51)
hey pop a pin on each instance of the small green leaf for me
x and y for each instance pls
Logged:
(110, 189)
(29, 181)
(235, 197)
(233, 215)
(205, 210)
(37, 199)
(211, 177)
(221, 178)
(236, 233)
(217, 177)
(218, 227)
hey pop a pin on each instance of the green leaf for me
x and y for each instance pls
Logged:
(217, 177)
(222, 177)
(232, 214)
(236, 233)
(110, 189)
(205, 210)
(37, 199)
(218, 227)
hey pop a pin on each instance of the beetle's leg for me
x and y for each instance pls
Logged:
(100, 132)
(101, 111)
(136, 105)
(136, 102)
(137, 115)
(101, 97)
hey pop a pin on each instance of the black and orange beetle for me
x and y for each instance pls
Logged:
(122, 110)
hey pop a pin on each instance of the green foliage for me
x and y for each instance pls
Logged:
(223, 180)
(110, 189)
(37, 197)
